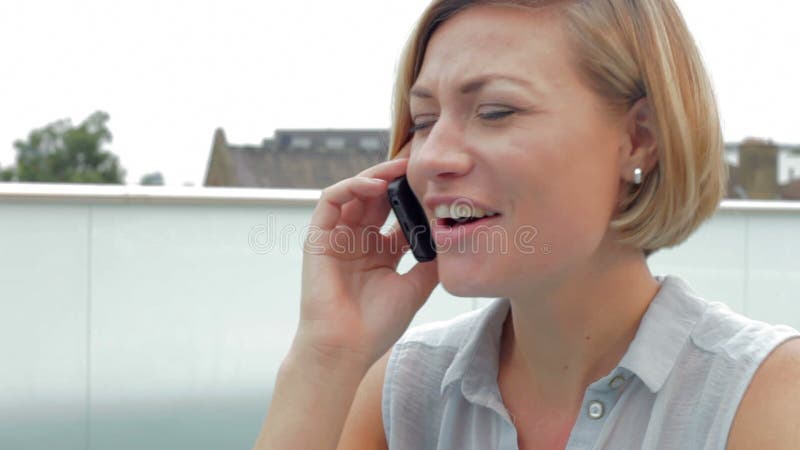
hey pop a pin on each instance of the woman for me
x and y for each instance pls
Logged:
(593, 124)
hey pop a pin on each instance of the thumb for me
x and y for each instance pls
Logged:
(423, 278)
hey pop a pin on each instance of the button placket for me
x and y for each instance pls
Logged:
(599, 401)
(596, 409)
(617, 382)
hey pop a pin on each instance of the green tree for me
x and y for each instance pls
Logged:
(7, 174)
(63, 153)
(152, 179)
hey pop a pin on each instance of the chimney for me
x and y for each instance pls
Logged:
(758, 162)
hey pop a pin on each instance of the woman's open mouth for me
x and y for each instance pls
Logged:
(450, 222)
(462, 223)
(461, 213)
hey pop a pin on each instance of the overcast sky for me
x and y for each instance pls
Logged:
(170, 72)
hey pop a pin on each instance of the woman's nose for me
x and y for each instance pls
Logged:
(442, 154)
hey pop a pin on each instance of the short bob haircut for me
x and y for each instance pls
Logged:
(624, 50)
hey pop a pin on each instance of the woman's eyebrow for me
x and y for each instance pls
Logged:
(480, 82)
(475, 85)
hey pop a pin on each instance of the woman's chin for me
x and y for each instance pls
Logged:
(467, 284)
(466, 293)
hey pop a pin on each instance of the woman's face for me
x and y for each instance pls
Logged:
(503, 121)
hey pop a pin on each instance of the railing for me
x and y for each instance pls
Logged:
(140, 317)
(169, 194)
(155, 194)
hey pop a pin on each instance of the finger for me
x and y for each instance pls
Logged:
(373, 211)
(387, 170)
(353, 212)
(366, 212)
(396, 244)
(329, 208)
(422, 279)
(376, 210)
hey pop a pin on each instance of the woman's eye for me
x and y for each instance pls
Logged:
(495, 114)
(421, 124)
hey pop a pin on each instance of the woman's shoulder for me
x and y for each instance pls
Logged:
(725, 354)
(726, 347)
(714, 328)
(729, 334)
(767, 415)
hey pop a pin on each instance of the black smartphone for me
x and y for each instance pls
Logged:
(412, 219)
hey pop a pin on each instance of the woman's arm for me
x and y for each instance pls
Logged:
(301, 399)
(354, 306)
(364, 427)
(769, 413)
(310, 404)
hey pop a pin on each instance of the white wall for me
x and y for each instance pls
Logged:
(135, 318)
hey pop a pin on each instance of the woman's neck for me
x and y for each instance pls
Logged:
(565, 337)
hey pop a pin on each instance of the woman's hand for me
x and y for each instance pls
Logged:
(354, 304)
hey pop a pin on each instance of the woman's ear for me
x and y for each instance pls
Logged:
(640, 144)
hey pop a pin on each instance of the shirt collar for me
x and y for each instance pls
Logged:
(475, 362)
(663, 332)
(651, 355)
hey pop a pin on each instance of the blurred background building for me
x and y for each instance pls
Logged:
(304, 159)
(313, 159)
(763, 170)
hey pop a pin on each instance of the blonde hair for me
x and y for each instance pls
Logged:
(626, 50)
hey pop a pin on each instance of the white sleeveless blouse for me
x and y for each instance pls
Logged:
(678, 386)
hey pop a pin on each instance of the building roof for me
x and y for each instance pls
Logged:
(299, 159)
(791, 190)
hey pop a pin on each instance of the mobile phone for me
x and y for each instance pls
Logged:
(412, 219)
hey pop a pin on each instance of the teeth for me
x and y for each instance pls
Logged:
(461, 211)
(458, 211)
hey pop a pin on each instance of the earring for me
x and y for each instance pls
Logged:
(637, 176)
